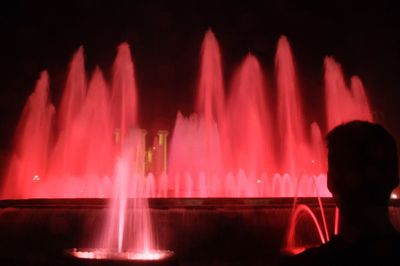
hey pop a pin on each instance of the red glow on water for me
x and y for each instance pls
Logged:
(105, 254)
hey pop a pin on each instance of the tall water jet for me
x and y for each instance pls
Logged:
(128, 232)
(28, 165)
(364, 111)
(131, 155)
(202, 134)
(74, 91)
(63, 157)
(89, 154)
(210, 101)
(124, 93)
(83, 156)
(96, 149)
(211, 105)
(353, 101)
(249, 121)
(290, 113)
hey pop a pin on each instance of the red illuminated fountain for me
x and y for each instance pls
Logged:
(234, 145)
(237, 150)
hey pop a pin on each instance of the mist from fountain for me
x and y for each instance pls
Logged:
(353, 101)
(129, 225)
(30, 155)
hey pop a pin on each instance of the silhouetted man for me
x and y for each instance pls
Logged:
(362, 173)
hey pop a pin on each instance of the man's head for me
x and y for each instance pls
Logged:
(362, 164)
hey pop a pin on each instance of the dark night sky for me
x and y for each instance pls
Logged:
(165, 38)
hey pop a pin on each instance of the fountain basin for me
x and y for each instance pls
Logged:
(91, 256)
